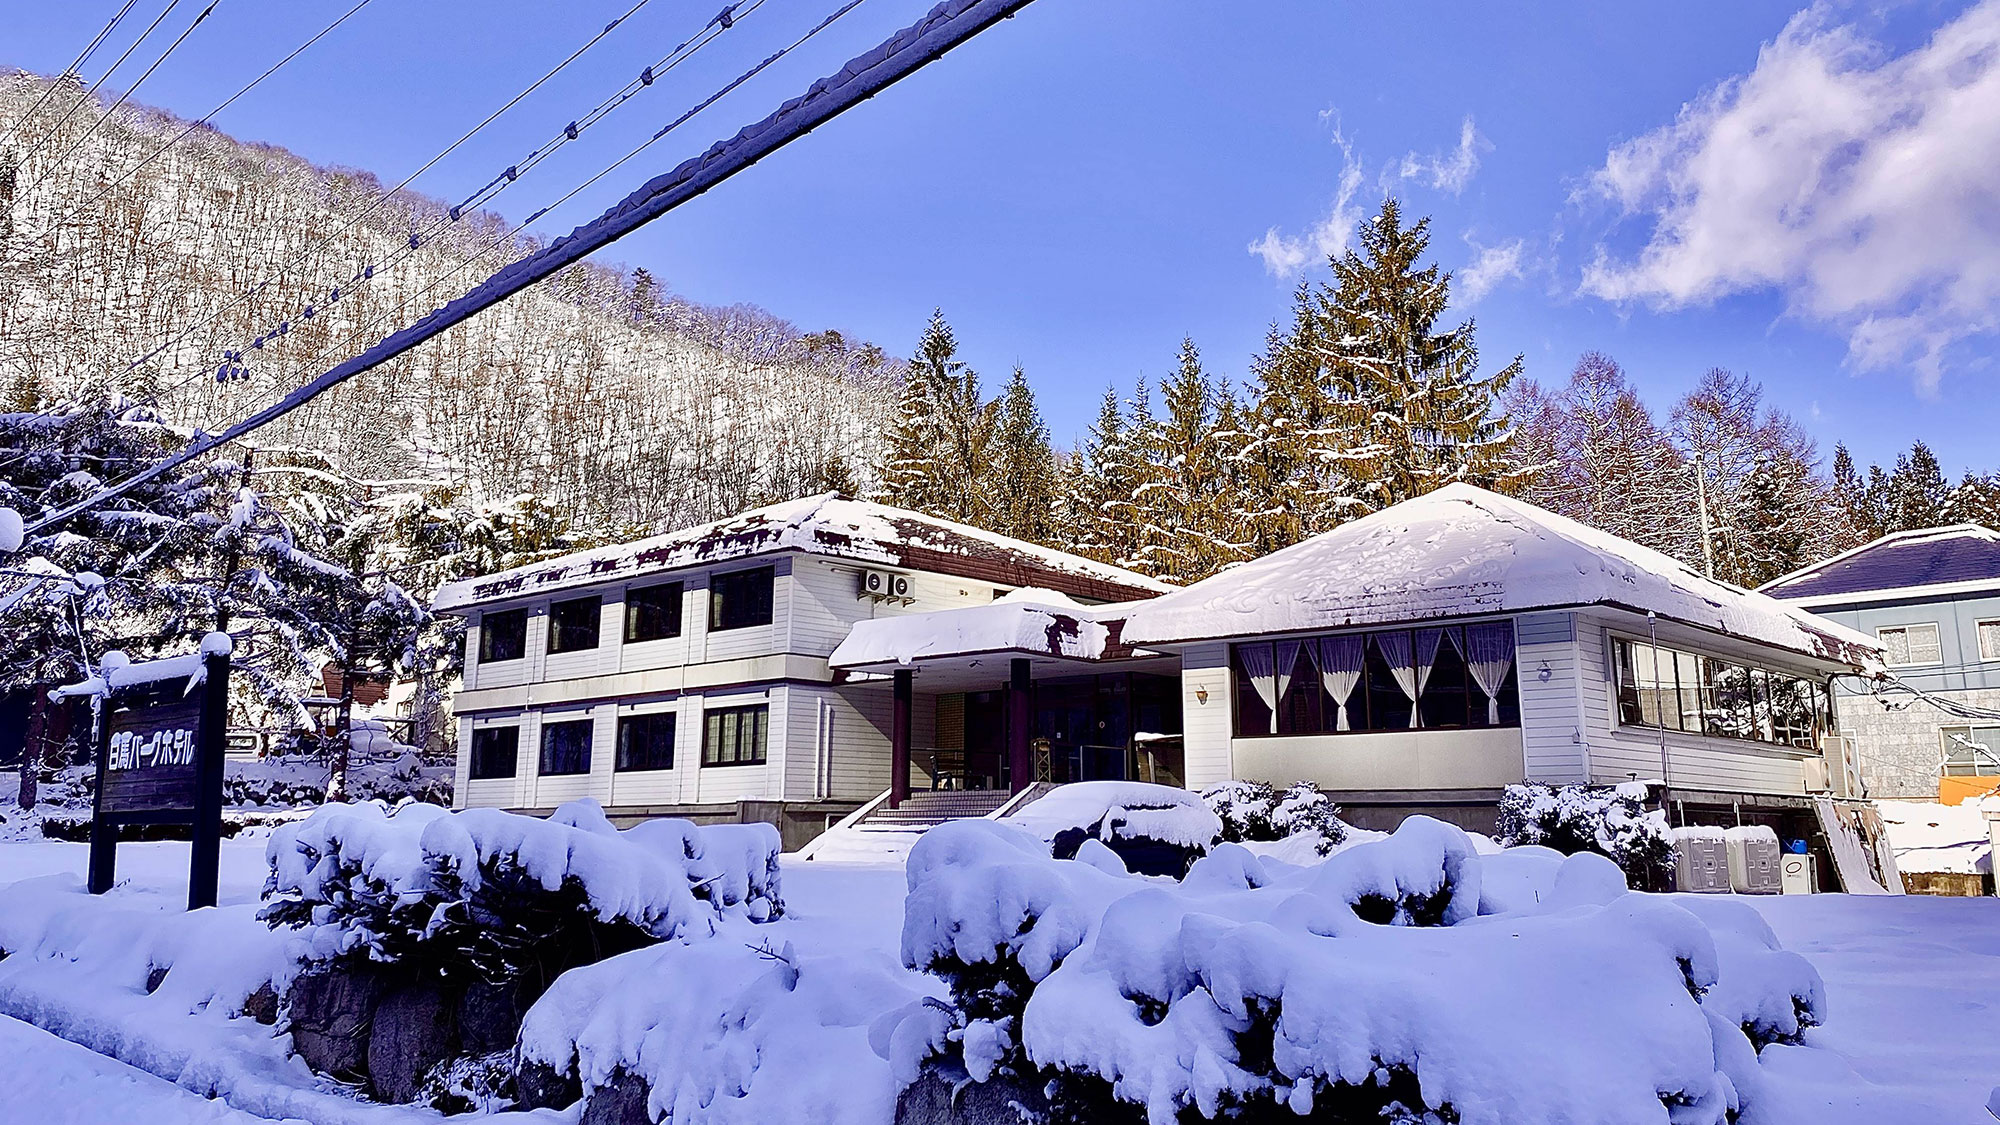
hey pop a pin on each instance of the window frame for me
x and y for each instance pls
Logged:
(1935, 628)
(554, 643)
(674, 606)
(473, 759)
(487, 633)
(717, 603)
(1758, 706)
(709, 729)
(1979, 639)
(542, 755)
(620, 761)
(1361, 709)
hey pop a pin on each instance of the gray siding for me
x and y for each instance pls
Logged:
(1553, 743)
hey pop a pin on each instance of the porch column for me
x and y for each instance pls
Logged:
(899, 738)
(1020, 765)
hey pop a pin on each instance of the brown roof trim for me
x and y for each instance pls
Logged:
(1017, 571)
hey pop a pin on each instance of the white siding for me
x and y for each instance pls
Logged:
(1554, 746)
(652, 787)
(1207, 725)
(839, 744)
(1417, 759)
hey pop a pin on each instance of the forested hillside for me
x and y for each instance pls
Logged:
(618, 404)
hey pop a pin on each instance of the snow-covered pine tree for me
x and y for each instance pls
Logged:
(1850, 499)
(1096, 484)
(1023, 475)
(1135, 462)
(1367, 400)
(1918, 494)
(938, 455)
(1976, 500)
(1182, 506)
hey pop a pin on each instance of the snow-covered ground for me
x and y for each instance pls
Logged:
(1912, 989)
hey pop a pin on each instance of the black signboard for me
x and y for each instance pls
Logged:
(159, 761)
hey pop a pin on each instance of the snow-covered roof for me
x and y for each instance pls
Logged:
(1044, 626)
(829, 525)
(1932, 559)
(1462, 551)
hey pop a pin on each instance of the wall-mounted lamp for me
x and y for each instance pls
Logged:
(1201, 695)
(1544, 672)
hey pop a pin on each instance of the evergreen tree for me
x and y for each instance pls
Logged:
(1024, 470)
(1097, 486)
(937, 460)
(1850, 497)
(1368, 400)
(1184, 504)
(1976, 500)
(1918, 494)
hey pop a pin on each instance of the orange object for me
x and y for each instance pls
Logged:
(1957, 790)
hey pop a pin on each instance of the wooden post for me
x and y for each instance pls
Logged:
(205, 855)
(1020, 762)
(899, 737)
(103, 832)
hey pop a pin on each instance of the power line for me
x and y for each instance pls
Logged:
(49, 90)
(946, 26)
(206, 117)
(102, 79)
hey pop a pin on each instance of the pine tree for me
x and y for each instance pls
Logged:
(1918, 494)
(1976, 500)
(1024, 470)
(1097, 484)
(937, 456)
(1367, 401)
(1183, 505)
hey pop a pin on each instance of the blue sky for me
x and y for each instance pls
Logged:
(1804, 196)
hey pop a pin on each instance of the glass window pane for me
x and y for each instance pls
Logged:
(566, 747)
(1630, 713)
(1924, 647)
(1989, 640)
(646, 742)
(735, 736)
(1442, 702)
(1687, 698)
(496, 752)
(653, 612)
(503, 636)
(1391, 681)
(740, 599)
(1298, 709)
(1256, 690)
(573, 624)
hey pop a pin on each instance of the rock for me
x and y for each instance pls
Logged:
(537, 1085)
(330, 1013)
(948, 1097)
(262, 1005)
(415, 1029)
(155, 977)
(622, 1101)
(489, 1017)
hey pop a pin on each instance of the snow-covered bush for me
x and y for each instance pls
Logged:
(291, 782)
(1611, 821)
(1154, 829)
(1387, 983)
(1254, 812)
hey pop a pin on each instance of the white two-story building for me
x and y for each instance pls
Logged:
(687, 675)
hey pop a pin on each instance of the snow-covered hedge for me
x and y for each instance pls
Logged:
(292, 782)
(1611, 821)
(483, 890)
(1403, 979)
(1155, 829)
(1254, 812)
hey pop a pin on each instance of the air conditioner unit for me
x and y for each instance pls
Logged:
(885, 586)
(1839, 772)
(1817, 776)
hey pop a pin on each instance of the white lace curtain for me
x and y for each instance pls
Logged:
(1339, 660)
(1397, 653)
(1257, 665)
(1489, 655)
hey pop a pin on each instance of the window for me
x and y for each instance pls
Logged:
(495, 752)
(653, 613)
(1914, 644)
(645, 742)
(503, 636)
(735, 736)
(1441, 677)
(740, 599)
(573, 624)
(566, 747)
(1703, 695)
(1989, 640)
(1970, 751)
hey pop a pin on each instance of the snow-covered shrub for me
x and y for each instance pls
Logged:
(1154, 829)
(1254, 812)
(1611, 821)
(1387, 983)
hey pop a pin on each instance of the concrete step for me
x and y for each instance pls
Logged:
(928, 809)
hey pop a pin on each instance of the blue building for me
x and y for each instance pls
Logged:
(1932, 598)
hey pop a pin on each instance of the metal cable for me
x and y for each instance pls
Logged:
(86, 95)
(82, 57)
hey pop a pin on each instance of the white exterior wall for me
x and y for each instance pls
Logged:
(1555, 747)
(1207, 725)
(822, 742)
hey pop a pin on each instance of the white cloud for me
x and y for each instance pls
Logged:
(1490, 266)
(1287, 256)
(1860, 185)
(1451, 171)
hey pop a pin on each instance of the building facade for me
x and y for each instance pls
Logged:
(687, 675)
(1931, 598)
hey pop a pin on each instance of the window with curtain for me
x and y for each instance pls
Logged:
(653, 613)
(496, 752)
(573, 624)
(645, 742)
(1911, 644)
(503, 636)
(740, 599)
(1432, 678)
(734, 736)
(566, 747)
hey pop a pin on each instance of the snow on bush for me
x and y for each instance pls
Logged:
(1389, 982)
(1158, 829)
(483, 890)
(1254, 812)
(1612, 822)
